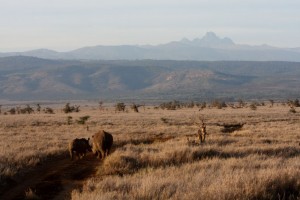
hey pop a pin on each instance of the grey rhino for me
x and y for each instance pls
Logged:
(102, 143)
(79, 147)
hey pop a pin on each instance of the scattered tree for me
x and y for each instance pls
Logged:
(172, 105)
(218, 104)
(27, 110)
(241, 103)
(69, 109)
(253, 106)
(38, 108)
(271, 102)
(100, 103)
(134, 107)
(120, 107)
(12, 111)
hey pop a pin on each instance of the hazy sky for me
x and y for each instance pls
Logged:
(69, 24)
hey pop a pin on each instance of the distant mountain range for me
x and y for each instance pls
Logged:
(209, 48)
(30, 78)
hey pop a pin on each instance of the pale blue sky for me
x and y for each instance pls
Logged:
(69, 24)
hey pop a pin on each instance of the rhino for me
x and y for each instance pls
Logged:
(102, 143)
(79, 147)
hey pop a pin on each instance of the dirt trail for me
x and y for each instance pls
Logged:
(54, 179)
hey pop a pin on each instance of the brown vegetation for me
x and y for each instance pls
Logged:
(151, 159)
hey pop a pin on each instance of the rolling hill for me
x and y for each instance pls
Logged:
(29, 78)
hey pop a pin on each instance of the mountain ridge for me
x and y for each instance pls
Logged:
(208, 48)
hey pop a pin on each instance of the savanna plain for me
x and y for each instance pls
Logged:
(156, 152)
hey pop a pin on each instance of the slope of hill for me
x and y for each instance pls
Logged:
(28, 78)
(208, 48)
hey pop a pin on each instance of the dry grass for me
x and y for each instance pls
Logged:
(152, 159)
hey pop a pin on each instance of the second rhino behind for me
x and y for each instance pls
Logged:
(79, 147)
(102, 143)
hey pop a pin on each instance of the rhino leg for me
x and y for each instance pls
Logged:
(71, 154)
(99, 155)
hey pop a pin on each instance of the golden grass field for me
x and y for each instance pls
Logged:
(152, 159)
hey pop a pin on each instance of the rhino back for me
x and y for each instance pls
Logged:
(102, 140)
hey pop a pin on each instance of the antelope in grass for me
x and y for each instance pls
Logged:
(202, 132)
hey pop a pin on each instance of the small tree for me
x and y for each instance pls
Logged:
(296, 103)
(134, 107)
(253, 106)
(271, 102)
(241, 103)
(120, 107)
(201, 105)
(12, 111)
(18, 110)
(191, 104)
(218, 104)
(27, 110)
(100, 103)
(69, 109)
(171, 105)
(38, 108)
(76, 108)
(0, 108)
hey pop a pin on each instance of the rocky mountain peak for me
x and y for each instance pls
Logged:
(212, 40)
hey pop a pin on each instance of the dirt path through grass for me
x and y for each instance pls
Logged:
(54, 179)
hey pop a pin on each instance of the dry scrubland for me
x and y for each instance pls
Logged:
(152, 158)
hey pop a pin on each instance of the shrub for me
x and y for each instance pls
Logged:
(241, 103)
(83, 119)
(100, 103)
(27, 110)
(120, 107)
(271, 102)
(12, 111)
(253, 106)
(69, 109)
(135, 107)
(48, 110)
(218, 104)
(172, 105)
(38, 108)
(294, 103)
(292, 110)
